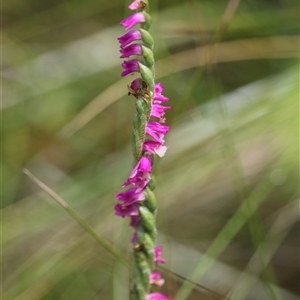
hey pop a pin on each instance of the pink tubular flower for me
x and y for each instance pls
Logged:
(128, 37)
(158, 88)
(157, 131)
(126, 210)
(154, 147)
(158, 97)
(155, 279)
(134, 221)
(133, 20)
(157, 255)
(141, 174)
(157, 296)
(133, 49)
(136, 4)
(130, 196)
(130, 66)
(158, 111)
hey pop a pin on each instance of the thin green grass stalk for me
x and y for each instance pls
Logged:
(255, 227)
(103, 242)
(210, 53)
(275, 235)
(232, 227)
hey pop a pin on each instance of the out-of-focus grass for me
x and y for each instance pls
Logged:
(227, 187)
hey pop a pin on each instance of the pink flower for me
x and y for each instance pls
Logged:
(141, 174)
(133, 49)
(157, 93)
(158, 98)
(126, 210)
(157, 131)
(154, 147)
(157, 255)
(128, 37)
(157, 296)
(134, 221)
(158, 88)
(136, 4)
(158, 111)
(155, 279)
(130, 66)
(133, 20)
(130, 196)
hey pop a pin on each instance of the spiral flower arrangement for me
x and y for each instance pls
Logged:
(138, 202)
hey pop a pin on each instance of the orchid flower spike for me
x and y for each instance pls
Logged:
(137, 202)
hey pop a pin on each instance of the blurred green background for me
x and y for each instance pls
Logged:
(228, 185)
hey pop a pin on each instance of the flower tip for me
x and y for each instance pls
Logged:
(130, 66)
(161, 151)
(126, 210)
(159, 87)
(156, 279)
(133, 20)
(134, 5)
(157, 255)
(157, 296)
(137, 4)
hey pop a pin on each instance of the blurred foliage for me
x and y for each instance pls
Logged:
(228, 185)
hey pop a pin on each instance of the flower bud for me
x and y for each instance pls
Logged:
(141, 261)
(150, 200)
(147, 76)
(146, 21)
(147, 219)
(148, 56)
(147, 38)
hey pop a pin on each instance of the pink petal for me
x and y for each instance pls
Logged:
(157, 255)
(157, 296)
(156, 279)
(133, 20)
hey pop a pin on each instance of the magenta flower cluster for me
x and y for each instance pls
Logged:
(130, 199)
(141, 174)
(155, 130)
